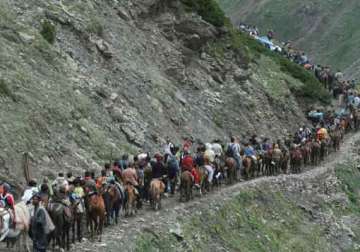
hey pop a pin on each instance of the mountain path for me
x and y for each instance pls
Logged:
(124, 234)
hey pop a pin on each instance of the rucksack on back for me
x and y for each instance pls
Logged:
(229, 151)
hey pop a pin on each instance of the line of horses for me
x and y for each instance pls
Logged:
(291, 158)
(113, 199)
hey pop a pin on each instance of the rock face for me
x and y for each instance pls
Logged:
(121, 76)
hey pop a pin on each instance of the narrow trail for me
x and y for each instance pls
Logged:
(123, 235)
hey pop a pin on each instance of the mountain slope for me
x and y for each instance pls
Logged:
(327, 30)
(82, 82)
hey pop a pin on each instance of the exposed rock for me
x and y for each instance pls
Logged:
(104, 48)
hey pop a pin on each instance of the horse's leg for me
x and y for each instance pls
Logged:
(73, 223)
(78, 228)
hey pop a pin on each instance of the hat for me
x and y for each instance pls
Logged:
(158, 156)
(36, 195)
(6, 186)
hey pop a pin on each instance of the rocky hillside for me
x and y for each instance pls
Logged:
(325, 29)
(82, 82)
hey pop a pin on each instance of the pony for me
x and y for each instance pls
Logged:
(315, 153)
(77, 209)
(113, 201)
(230, 169)
(62, 217)
(19, 235)
(249, 167)
(186, 184)
(130, 199)
(157, 188)
(96, 213)
(295, 160)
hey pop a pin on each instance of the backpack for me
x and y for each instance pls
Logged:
(49, 227)
(229, 151)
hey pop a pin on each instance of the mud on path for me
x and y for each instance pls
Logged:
(122, 237)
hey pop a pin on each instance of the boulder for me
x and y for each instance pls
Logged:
(104, 48)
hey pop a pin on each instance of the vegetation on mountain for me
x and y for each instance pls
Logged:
(326, 30)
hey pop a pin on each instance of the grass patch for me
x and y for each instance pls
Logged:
(209, 10)
(249, 50)
(95, 26)
(5, 91)
(48, 31)
(349, 176)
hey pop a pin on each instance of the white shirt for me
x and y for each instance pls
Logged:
(28, 194)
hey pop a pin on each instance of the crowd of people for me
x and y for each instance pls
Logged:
(55, 209)
(131, 181)
(332, 80)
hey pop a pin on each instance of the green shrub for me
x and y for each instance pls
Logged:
(48, 31)
(5, 91)
(95, 26)
(209, 10)
(312, 89)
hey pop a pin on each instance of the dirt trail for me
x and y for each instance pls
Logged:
(123, 235)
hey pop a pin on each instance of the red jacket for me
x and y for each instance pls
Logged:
(196, 176)
(187, 163)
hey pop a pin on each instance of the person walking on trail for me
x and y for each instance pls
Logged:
(209, 168)
(173, 169)
(30, 191)
(7, 201)
(322, 133)
(38, 225)
(234, 151)
(158, 167)
(60, 181)
(249, 151)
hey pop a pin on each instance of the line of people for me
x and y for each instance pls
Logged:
(52, 210)
(59, 206)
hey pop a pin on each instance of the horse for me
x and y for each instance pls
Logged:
(249, 167)
(336, 139)
(19, 235)
(275, 163)
(218, 172)
(266, 163)
(355, 117)
(113, 201)
(157, 188)
(315, 153)
(295, 160)
(323, 149)
(306, 152)
(204, 183)
(62, 216)
(230, 169)
(284, 163)
(77, 209)
(186, 184)
(130, 199)
(96, 213)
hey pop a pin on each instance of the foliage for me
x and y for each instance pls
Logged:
(250, 50)
(95, 26)
(5, 91)
(312, 89)
(48, 31)
(209, 10)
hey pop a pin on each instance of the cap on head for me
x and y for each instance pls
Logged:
(6, 187)
(32, 183)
